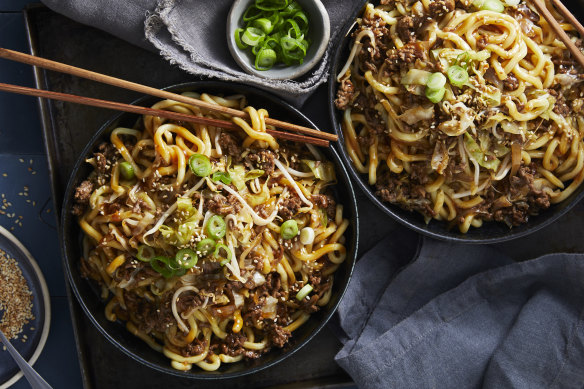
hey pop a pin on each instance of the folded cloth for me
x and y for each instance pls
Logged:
(464, 317)
(192, 34)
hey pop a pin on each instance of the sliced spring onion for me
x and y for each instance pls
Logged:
(160, 265)
(216, 227)
(436, 81)
(457, 75)
(127, 171)
(323, 217)
(224, 260)
(271, 5)
(463, 60)
(307, 235)
(145, 253)
(205, 246)
(435, 95)
(221, 176)
(489, 5)
(289, 229)
(302, 293)
(265, 59)
(252, 13)
(186, 258)
(200, 165)
(252, 36)
(264, 24)
(237, 36)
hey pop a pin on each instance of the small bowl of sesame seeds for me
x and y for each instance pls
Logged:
(24, 306)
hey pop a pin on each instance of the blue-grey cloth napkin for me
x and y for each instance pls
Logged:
(192, 35)
(463, 317)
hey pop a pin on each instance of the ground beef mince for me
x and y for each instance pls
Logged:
(406, 29)
(229, 145)
(195, 348)
(406, 55)
(326, 202)
(83, 192)
(513, 201)
(404, 192)
(561, 108)
(222, 205)
(278, 335)
(439, 8)
(511, 83)
(233, 344)
(289, 207)
(263, 159)
(345, 94)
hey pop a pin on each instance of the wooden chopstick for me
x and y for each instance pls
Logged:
(75, 71)
(154, 112)
(565, 12)
(543, 11)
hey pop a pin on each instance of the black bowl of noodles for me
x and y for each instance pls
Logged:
(489, 231)
(88, 292)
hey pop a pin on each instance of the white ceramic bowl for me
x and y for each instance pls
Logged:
(318, 34)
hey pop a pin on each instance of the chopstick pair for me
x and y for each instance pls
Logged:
(543, 11)
(312, 136)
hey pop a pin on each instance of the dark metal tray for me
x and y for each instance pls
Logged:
(68, 127)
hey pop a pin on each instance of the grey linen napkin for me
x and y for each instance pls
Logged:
(463, 317)
(192, 35)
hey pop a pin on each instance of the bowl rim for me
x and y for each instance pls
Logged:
(289, 72)
(408, 219)
(70, 263)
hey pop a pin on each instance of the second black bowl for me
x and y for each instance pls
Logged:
(490, 232)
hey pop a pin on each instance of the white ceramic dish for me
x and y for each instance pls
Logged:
(319, 35)
(32, 348)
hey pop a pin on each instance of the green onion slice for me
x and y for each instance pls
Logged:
(302, 293)
(186, 258)
(265, 59)
(160, 265)
(200, 165)
(238, 41)
(205, 246)
(224, 259)
(302, 19)
(252, 13)
(436, 81)
(145, 253)
(271, 5)
(126, 170)
(263, 24)
(252, 36)
(463, 60)
(221, 176)
(289, 229)
(435, 95)
(457, 75)
(216, 227)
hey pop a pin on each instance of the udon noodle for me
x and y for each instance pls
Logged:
(211, 246)
(465, 112)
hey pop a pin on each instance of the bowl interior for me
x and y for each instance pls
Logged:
(318, 35)
(116, 332)
(490, 232)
